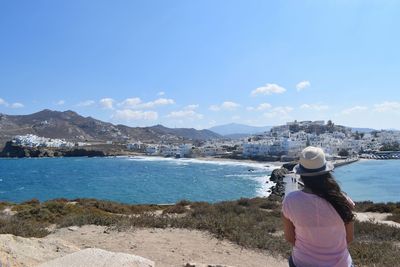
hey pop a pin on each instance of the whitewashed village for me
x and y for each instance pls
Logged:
(283, 143)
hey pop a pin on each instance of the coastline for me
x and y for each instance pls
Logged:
(244, 162)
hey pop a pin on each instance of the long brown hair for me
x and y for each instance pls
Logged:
(326, 187)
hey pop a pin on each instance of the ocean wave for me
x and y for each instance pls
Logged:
(264, 182)
(264, 185)
(254, 165)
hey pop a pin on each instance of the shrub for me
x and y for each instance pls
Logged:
(372, 232)
(375, 254)
(175, 209)
(21, 227)
(33, 202)
(184, 202)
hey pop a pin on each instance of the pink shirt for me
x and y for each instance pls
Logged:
(320, 231)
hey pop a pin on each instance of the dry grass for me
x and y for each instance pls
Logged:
(252, 223)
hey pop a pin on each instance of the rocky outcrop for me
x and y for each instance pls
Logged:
(290, 165)
(13, 151)
(16, 251)
(94, 257)
(277, 176)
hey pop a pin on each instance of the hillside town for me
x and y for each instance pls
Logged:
(283, 143)
(31, 140)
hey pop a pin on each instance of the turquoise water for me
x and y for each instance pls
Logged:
(129, 180)
(157, 180)
(375, 180)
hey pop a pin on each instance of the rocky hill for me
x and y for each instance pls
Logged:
(235, 129)
(71, 126)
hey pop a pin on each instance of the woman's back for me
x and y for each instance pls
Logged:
(320, 231)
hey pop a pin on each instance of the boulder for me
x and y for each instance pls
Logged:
(94, 257)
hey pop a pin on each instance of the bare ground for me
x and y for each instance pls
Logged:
(166, 247)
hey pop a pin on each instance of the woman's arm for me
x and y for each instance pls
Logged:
(288, 229)
(349, 232)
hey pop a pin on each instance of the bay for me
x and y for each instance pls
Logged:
(130, 180)
(374, 180)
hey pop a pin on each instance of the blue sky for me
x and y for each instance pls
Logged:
(203, 63)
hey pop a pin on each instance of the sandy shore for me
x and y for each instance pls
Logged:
(247, 162)
(269, 163)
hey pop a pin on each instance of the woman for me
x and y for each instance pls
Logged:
(318, 220)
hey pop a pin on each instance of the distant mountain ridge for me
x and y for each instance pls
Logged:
(362, 130)
(70, 125)
(236, 129)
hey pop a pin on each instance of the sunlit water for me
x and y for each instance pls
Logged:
(130, 180)
(158, 180)
(375, 180)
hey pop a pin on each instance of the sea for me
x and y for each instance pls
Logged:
(153, 180)
(374, 180)
(136, 180)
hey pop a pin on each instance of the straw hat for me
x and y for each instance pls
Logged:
(313, 162)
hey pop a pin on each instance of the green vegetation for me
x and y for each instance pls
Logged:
(253, 223)
(394, 146)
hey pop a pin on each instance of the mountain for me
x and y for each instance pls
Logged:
(362, 130)
(188, 133)
(71, 126)
(236, 129)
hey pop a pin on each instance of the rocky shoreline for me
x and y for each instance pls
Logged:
(13, 151)
(277, 176)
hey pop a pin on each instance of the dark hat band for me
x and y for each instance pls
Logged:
(304, 169)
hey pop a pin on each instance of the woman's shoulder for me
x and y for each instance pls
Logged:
(293, 195)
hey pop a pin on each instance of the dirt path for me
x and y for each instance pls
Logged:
(169, 247)
(166, 247)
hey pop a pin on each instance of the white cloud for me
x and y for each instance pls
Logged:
(387, 106)
(17, 105)
(279, 111)
(161, 93)
(3, 102)
(132, 115)
(316, 107)
(86, 103)
(107, 103)
(131, 102)
(214, 108)
(136, 103)
(193, 106)
(185, 114)
(159, 102)
(268, 89)
(60, 102)
(354, 109)
(212, 122)
(227, 105)
(302, 85)
(262, 106)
